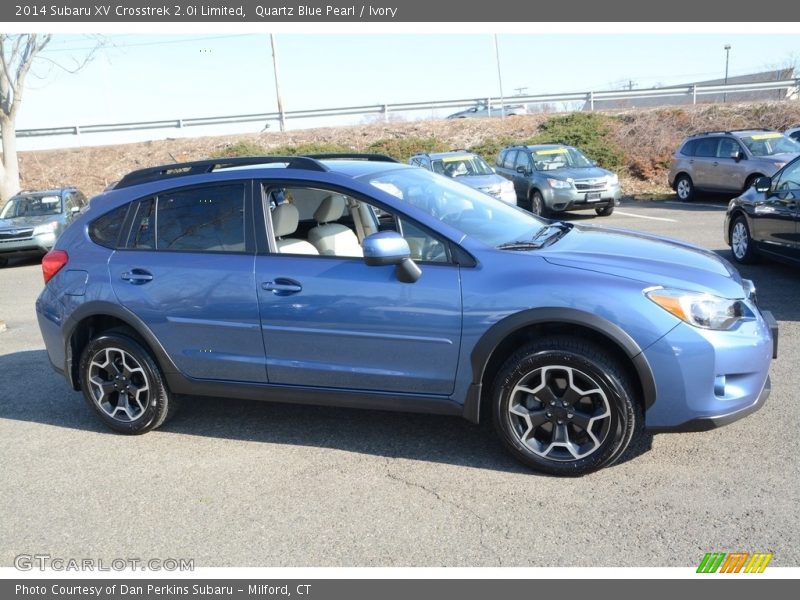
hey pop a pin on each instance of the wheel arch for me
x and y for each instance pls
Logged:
(506, 336)
(678, 175)
(94, 318)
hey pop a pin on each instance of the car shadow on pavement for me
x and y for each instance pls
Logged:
(432, 438)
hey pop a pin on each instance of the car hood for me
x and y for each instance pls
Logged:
(647, 258)
(18, 222)
(481, 181)
(577, 173)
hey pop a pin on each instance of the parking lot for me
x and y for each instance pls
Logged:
(237, 483)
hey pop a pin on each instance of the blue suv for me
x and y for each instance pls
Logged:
(359, 281)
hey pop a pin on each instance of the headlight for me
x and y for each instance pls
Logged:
(558, 183)
(780, 165)
(47, 228)
(613, 179)
(701, 310)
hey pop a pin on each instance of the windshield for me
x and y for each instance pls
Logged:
(31, 206)
(474, 213)
(767, 144)
(461, 166)
(563, 157)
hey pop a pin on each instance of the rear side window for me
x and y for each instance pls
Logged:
(508, 160)
(500, 158)
(105, 230)
(523, 160)
(689, 148)
(707, 147)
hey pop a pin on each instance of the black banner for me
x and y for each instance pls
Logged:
(397, 11)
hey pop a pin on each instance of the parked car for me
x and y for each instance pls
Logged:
(469, 169)
(482, 110)
(765, 219)
(728, 161)
(793, 133)
(367, 283)
(30, 222)
(553, 177)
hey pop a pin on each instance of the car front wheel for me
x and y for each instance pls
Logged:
(538, 207)
(605, 211)
(123, 384)
(741, 242)
(563, 406)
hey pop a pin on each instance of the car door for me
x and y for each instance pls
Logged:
(775, 214)
(332, 321)
(703, 163)
(728, 172)
(523, 173)
(186, 270)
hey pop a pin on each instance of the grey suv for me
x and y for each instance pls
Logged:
(553, 177)
(728, 161)
(469, 169)
(30, 222)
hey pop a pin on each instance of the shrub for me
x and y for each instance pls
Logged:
(310, 148)
(590, 132)
(489, 149)
(241, 149)
(402, 148)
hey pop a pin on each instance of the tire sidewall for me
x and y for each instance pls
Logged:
(157, 400)
(621, 408)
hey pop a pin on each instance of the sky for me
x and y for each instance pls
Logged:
(139, 77)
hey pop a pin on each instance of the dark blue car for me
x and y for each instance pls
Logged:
(362, 282)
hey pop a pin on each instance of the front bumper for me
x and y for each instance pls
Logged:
(559, 199)
(707, 379)
(35, 243)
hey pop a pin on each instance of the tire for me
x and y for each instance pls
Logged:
(538, 207)
(123, 384)
(684, 187)
(606, 211)
(544, 415)
(741, 242)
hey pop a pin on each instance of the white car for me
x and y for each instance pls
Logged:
(482, 110)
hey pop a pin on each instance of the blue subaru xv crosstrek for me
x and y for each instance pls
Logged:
(358, 281)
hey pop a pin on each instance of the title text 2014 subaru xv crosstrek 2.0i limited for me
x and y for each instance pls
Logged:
(358, 281)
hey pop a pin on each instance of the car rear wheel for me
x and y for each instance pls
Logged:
(741, 242)
(563, 406)
(538, 207)
(123, 384)
(684, 187)
(604, 211)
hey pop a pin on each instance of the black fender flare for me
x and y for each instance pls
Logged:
(104, 308)
(494, 336)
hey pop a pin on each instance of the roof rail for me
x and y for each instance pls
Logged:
(730, 131)
(207, 166)
(350, 156)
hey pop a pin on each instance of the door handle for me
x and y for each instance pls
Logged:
(282, 286)
(716, 164)
(137, 276)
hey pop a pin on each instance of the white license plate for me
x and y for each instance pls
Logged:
(593, 196)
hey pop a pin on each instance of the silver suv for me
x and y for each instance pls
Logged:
(30, 222)
(728, 161)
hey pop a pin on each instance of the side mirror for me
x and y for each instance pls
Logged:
(522, 170)
(389, 248)
(594, 163)
(762, 184)
(739, 156)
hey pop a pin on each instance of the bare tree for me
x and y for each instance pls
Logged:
(17, 55)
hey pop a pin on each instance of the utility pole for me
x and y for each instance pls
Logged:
(277, 83)
(499, 78)
(727, 56)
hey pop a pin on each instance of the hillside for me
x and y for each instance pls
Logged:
(639, 142)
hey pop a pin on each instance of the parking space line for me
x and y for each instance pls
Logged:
(619, 212)
(686, 205)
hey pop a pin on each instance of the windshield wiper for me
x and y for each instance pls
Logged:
(520, 245)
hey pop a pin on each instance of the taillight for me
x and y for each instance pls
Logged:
(53, 262)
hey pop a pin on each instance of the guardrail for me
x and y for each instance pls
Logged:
(790, 85)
